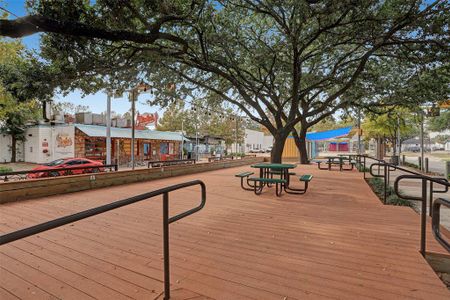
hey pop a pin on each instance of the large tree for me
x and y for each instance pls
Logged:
(386, 126)
(211, 120)
(282, 63)
(14, 114)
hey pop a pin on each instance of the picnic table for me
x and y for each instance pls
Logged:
(338, 160)
(266, 178)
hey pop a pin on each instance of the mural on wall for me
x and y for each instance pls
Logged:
(63, 141)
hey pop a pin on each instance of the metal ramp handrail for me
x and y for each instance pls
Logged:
(26, 232)
(387, 168)
(435, 221)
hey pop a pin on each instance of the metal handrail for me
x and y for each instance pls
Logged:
(435, 221)
(26, 232)
(48, 171)
(423, 198)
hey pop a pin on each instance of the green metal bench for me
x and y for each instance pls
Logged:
(258, 186)
(245, 175)
(303, 178)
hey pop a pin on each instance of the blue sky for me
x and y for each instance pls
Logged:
(96, 102)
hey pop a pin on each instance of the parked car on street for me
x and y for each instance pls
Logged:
(269, 149)
(64, 163)
(256, 151)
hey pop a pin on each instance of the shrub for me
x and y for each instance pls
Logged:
(362, 169)
(377, 185)
(5, 169)
(395, 200)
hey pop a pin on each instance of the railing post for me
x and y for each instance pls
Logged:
(166, 246)
(403, 159)
(447, 169)
(423, 218)
(420, 163)
(426, 164)
(364, 167)
(385, 182)
(431, 198)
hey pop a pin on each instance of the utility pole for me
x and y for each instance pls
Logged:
(108, 128)
(422, 167)
(133, 108)
(236, 134)
(359, 131)
(182, 137)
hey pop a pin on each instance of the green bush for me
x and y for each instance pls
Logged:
(5, 169)
(377, 185)
(362, 169)
(395, 200)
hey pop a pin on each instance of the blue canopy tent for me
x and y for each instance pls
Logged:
(326, 135)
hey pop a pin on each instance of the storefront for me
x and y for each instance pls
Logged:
(45, 143)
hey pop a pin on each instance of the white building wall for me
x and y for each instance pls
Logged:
(267, 141)
(46, 143)
(253, 140)
(5, 149)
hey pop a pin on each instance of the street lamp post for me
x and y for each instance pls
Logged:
(108, 128)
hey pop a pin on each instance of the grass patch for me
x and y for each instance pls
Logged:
(5, 170)
(411, 165)
(377, 185)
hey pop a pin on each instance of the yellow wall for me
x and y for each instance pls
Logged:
(290, 149)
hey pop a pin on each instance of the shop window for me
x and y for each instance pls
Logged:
(147, 149)
(164, 148)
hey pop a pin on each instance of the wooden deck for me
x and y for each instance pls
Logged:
(335, 242)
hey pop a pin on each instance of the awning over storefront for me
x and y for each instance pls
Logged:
(328, 134)
(100, 131)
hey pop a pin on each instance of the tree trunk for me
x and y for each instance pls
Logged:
(300, 142)
(13, 148)
(278, 146)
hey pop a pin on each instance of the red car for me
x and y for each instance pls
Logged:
(65, 163)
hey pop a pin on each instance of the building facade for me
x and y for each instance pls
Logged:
(45, 143)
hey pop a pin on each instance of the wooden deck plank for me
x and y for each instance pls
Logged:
(329, 243)
(111, 236)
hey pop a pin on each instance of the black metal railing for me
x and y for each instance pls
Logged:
(26, 232)
(55, 172)
(164, 163)
(435, 221)
(423, 199)
(425, 180)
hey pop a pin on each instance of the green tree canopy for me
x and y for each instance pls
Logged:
(440, 123)
(14, 114)
(281, 63)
